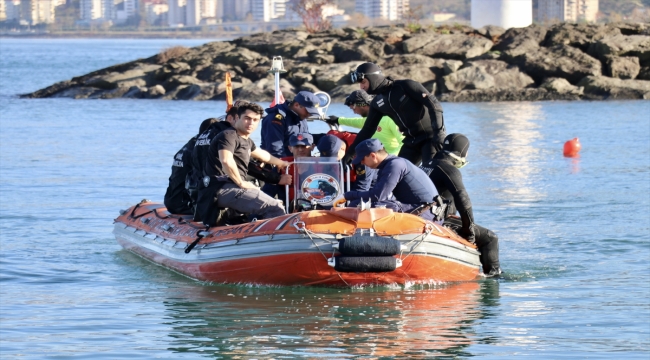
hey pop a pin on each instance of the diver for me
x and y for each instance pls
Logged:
(417, 113)
(177, 198)
(444, 171)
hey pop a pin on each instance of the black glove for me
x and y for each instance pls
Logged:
(347, 159)
(468, 234)
(332, 120)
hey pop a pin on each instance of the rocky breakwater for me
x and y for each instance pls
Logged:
(561, 62)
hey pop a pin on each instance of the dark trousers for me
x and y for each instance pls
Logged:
(486, 241)
(422, 151)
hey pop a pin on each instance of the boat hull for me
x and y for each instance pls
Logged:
(285, 257)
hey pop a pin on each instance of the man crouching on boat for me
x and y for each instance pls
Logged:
(227, 167)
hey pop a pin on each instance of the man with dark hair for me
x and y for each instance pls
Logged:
(401, 186)
(334, 144)
(226, 169)
(417, 113)
(387, 131)
(444, 171)
(177, 198)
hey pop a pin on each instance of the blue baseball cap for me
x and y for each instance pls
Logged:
(329, 145)
(309, 101)
(301, 139)
(365, 148)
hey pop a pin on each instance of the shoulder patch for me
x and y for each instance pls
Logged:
(360, 171)
(378, 128)
(278, 116)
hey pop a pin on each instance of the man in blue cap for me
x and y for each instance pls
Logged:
(285, 120)
(300, 145)
(401, 186)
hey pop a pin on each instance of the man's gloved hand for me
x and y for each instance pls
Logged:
(332, 120)
(339, 200)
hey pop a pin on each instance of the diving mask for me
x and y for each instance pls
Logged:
(459, 162)
(356, 76)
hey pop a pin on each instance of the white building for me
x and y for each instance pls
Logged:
(156, 12)
(91, 10)
(382, 9)
(567, 10)
(504, 13)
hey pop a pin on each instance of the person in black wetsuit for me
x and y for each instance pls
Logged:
(177, 198)
(443, 171)
(417, 113)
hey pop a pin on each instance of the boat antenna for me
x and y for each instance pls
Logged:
(277, 68)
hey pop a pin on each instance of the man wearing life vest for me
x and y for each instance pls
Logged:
(417, 113)
(443, 170)
(177, 198)
(387, 131)
(224, 185)
(401, 186)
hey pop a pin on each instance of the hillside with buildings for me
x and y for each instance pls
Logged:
(458, 63)
(249, 16)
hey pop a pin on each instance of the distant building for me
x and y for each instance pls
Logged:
(267, 10)
(382, 9)
(3, 10)
(12, 9)
(567, 10)
(236, 9)
(504, 13)
(176, 15)
(156, 12)
(34, 12)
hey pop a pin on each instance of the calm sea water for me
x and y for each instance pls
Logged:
(574, 235)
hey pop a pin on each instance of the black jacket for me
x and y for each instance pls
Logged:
(449, 182)
(177, 199)
(417, 113)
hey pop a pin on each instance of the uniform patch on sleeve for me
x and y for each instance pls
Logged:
(278, 116)
(360, 171)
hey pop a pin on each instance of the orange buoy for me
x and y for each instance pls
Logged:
(572, 147)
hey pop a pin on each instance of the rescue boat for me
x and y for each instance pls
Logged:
(336, 247)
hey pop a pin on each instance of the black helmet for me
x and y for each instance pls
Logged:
(369, 71)
(457, 146)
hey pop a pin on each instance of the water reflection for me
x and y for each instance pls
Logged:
(242, 321)
(512, 149)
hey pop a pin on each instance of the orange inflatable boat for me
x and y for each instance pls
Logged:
(337, 247)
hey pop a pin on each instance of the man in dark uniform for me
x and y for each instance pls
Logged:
(285, 120)
(443, 171)
(177, 198)
(225, 184)
(417, 113)
(333, 145)
(401, 186)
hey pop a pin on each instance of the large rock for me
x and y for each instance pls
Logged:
(362, 50)
(518, 41)
(417, 42)
(622, 67)
(486, 74)
(51, 90)
(491, 32)
(456, 46)
(330, 76)
(413, 66)
(561, 86)
(622, 45)
(178, 80)
(241, 57)
(578, 35)
(600, 86)
(644, 73)
(340, 92)
(558, 61)
(132, 77)
(277, 43)
(528, 94)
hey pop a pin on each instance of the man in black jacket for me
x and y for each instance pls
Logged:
(417, 113)
(443, 171)
(177, 198)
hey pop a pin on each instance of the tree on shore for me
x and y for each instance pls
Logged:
(311, 12)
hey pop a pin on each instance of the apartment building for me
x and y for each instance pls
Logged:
(382, 9)
(567, 10)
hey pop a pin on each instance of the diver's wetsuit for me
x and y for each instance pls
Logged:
(177, 199)
(417, 113)
(449, 182)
